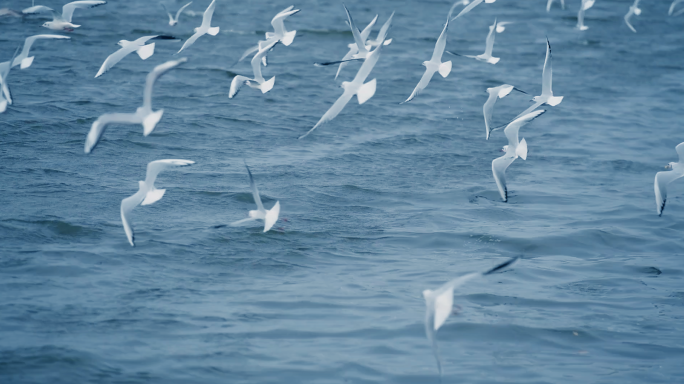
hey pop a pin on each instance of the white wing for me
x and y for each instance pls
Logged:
(208, 14)
(278, 21)
(156, 73)
(360, 42)
(662, 179)
(191, 40)
(367, 66)
(441, 44)
(236, 84)
(127, 206)
(37, 9)
(424, 81)
(672, 6)
(487, 110)
(29, 42)
(115, 58)
(627, 17)
(547, 73)
(167, 12)
(467, 9)
(333, 111)
(256, 61)
(489, 47)
(154, 167)
(680, 151)
(181, 10)
(366, 31)
(255, 191)
(68, 9)
(383, 30)
(499, 167)
(99, 126)
(512, 129)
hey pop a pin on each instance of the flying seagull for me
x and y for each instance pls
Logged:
(268, 216)
(23, 59)
(496, 92)
(258, 82)
(633, 10)
(280, 33)
(489, 47)
(204, 28)
(440, 304)
(147, 193)
(174, 20)
(138, 46)
(512, 151)
(143, 115)
(62, 22)
(662, 179)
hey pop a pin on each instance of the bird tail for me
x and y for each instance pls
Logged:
(493, 60)
(268, 85)
(366, 91)
(272, 216)
(145, 51)
(288, 38)
(151, 121)
(27, 62)
(445, 69)
(521, 150)
(554, 100)
(213, 31)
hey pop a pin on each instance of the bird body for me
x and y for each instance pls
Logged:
(663, 179)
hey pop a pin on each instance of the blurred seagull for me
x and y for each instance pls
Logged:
(586, 4)
(174, 20)
(23, 59)
(147, 193)
(258, 82)
(4, 72)
(9, 12)
(548, 5)
(143, 115)
(62, 22)
(138, 46)
(513, 150)
(468, 8)
(435, 64)
(356, 87)
(662, 179)
(204, 28)
(440, 304)
(280, 34)
(672, 7)
(489, 47)
(268, 216)
(633, 10)
(496, 92)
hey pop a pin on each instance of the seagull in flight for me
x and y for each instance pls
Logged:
(356, 87)
(512, 151)
(143, 115)
(440, 305)
(489, 47)
(662, 179)
(62, 22)
(138, 46)
(258, 82)
(548, 5)
(353, 49)
(586, 4)
(280, 33)
(268, 216)
(204, 28)
(495, 92)
(468, 7)
(23, 59)
(147, 193)
(174, 20)
(633, 10)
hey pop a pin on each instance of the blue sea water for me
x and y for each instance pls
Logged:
(381, 203)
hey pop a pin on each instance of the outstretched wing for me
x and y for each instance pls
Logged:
(190, 41)
(360, 43)
(422, 84)
(68, 9)
(489, 47)
(547, 73)
(255, 191)
(127, 206)
(29, 42)
(208, 14)
(278, 21)
(157, 72)
(154, 167)
(99, 126)
(662, 179)
(441, 44)
(181, 10)
(512, 129)
(499, 167)
(332, 112)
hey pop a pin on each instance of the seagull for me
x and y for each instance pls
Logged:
(633, 10)
(501, 91)
(435, 64)
(353, 49)
(586, 4)
(258, 82)
(138, 46)
(672, 7)
(62, 22)
(501, 26)
(147, 193)
(513, 150)
(143, 115)
(489, 47)
(268, 216)
(204, 28)
(440, 303)
(662, 179)
(4, 72)
(356, 87)
(546, 96)
(548, 5)
(280, 35)
(468, 8)
(174, 20)
(23, 59)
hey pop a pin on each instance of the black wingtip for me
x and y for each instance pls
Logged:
(502, 265)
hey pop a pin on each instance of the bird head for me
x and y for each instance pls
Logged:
(425, 63)
(670, 166)
(47, 24)
(122, 42)
(253, 214)
(344, 84)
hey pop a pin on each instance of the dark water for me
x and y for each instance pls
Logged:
(383, 202)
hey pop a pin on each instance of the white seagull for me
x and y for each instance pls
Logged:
(147, 193)
(633, 10)
(513, 150)
(280, 34)
(23, 59)
(672, 7)
(204, 28)
(258, 82)
(440, 304)
(435, 64)
(143, 115)
(548, 5)
(546, 96)
(4, 72)
(356, 87)
(62, 22)
(586, 4)
(468, 8)
(489, 47)
(268, 216)
(495, 92)
(662, 179)
(353, 49)
(174, 20)
(138, 46)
